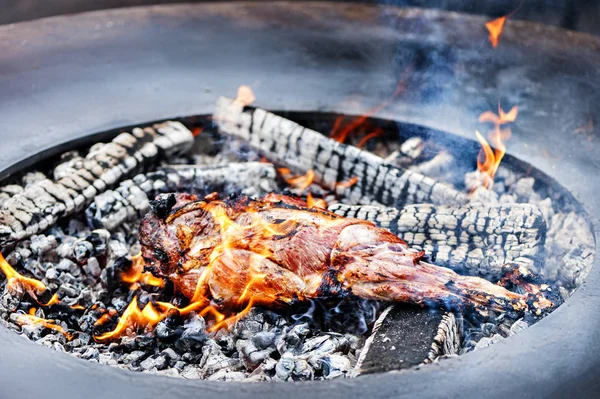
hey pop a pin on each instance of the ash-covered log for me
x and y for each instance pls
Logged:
(475, 239)
(285, 142)
(130, 200)
(408, 336)
(41, 204)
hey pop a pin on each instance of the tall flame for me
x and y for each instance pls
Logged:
(489, 158)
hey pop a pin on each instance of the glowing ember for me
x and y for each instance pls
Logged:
(495, 28)
(489, 158)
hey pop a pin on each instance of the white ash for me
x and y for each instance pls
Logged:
(81, 264)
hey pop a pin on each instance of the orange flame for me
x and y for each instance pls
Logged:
(340, 132)
(132, 319)
(245, 96)
(495, 28)
(137, 275)
(31, 319)
(299, 182)
(347, 183)
(489, 159)
(17, 283)
(315, 202)
(255, 290)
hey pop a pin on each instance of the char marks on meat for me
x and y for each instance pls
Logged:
(239, 251)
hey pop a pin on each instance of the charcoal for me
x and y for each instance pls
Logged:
(302, 371)
(285, 366)
(474, 239)
(324, 344)
(82, 250)
(263, 339)
(407, 336)
(485, 341)
(194, 334)
(41, 244)
(285, 142)
(334, 366)
(226, 375)
(92, 267)
(90, 353)
(135, 357)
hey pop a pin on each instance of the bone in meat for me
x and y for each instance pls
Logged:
(276, 251)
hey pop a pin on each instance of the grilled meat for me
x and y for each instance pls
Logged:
(277, 250)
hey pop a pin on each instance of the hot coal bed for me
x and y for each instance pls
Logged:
(75, 228)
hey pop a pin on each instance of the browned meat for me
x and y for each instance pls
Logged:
(277, 250)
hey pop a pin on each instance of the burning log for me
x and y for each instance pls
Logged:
(130, 201)
(41, 204)
(407, 336)
(475, 239)
(301, 149)
(227, 255)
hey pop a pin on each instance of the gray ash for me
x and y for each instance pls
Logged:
(81, 258)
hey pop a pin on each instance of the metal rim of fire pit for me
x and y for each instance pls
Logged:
(66, 78)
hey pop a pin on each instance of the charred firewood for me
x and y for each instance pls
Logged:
(475, 239)
(408, 336)
(130, 201)
(41, 204)
(287, 143)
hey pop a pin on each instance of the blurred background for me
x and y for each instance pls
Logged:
(579, 15)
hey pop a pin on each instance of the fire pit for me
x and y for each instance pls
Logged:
(433, 58)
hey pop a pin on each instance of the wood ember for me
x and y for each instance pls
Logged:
(301, 149)
(40, 205)
(407, 336)
(130, 201)
(475, 238)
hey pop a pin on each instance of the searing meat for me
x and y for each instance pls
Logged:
(277, 250)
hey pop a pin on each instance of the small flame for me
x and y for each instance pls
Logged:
(17, 283)
(298, 182)
(340, 132)
(137, 275)
(132, 319)
(347, 183)
(489, 159)
(31, 319)
(315, 202)
(245, 96)
(495, 28)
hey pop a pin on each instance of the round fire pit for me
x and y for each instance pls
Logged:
(67, 78)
